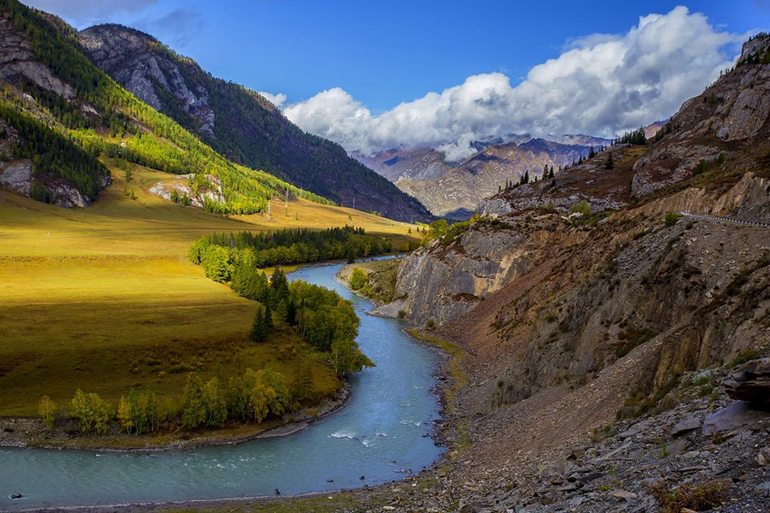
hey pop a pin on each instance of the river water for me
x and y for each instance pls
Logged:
(382, 434)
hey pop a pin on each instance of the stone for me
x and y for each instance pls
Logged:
(732, 417)
(623, 494)
(751, 383)
(763, 457)
(17, 177)
(686, 425)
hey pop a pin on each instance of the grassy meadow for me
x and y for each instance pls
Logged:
(104, 298)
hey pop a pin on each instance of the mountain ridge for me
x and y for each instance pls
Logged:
(239, 122)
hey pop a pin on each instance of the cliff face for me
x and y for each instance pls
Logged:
(574, 319)
(241, 124)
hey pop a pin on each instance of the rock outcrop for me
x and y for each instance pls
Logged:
(17, 176)
(751, 383)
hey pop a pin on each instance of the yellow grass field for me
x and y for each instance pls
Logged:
(104, 298)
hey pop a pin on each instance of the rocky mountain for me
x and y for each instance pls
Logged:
(62, 120)
(410, 164)
(597, 313)
(456, 189)
(239, 123)
(459, 191)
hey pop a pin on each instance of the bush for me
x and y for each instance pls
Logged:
(698, 497)
(671, 218)
(582, 207)
(358, 279)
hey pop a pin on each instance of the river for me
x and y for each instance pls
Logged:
(382, 434)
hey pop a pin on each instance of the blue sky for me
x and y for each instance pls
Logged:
(372, 75)
(382, 53)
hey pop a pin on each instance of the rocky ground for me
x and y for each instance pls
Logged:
(707, 453)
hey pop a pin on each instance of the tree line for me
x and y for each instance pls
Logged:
(251, 397)
(224, 255)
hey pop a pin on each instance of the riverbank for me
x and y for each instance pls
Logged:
(402, 495)
(24, 432)
(380, 279)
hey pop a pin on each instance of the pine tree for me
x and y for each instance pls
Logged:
(262, 325)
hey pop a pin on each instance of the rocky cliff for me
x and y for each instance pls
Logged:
(601, 294)
(241, 124)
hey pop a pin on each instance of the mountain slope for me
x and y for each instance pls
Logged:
(413, 164)
(60, 114)
(239, 123)
(657, 284)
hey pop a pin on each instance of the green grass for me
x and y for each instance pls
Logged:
(104, 298)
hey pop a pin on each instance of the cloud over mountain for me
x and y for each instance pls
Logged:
(601, 84)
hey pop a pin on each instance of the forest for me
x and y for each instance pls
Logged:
(52, 154)
(224, 255)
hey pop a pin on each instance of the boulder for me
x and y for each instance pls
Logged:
(735, 416)
(751, 383)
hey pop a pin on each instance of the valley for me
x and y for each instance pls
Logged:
(116, 304)
(216, 299)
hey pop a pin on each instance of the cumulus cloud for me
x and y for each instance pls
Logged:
(276, 99)
(85, 12)
(601, 84)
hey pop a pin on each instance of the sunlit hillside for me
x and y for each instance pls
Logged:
(105, 299)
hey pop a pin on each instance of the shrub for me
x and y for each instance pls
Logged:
(358, 279)
(671, 218)
(47, 410)
(582, 207)
(698, 497)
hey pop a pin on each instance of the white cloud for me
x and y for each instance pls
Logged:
(85, 12)
(276, 99)
(601, 84)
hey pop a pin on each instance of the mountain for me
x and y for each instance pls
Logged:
(62, 118)
(413, 164)
(597, 314)
(459, 191)
(239, 123)
(456, 189)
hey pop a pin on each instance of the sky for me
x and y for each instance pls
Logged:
(373, 74)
